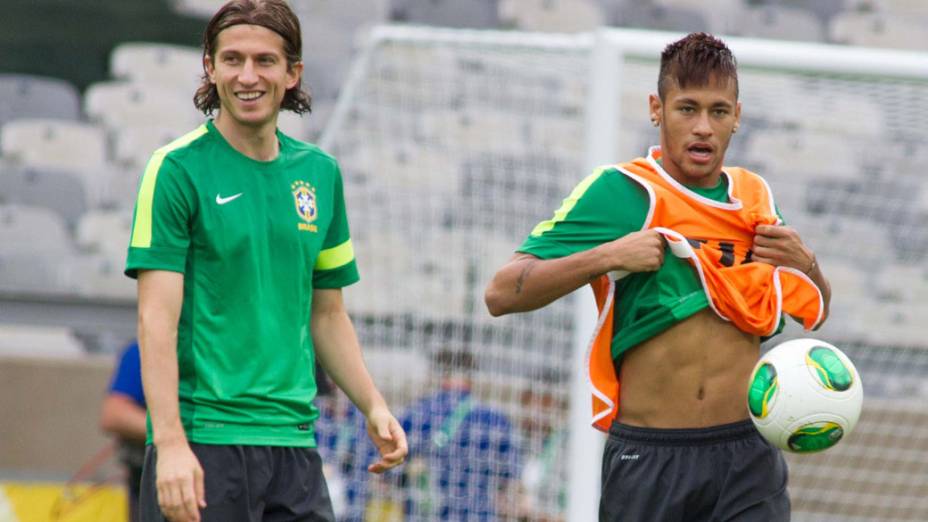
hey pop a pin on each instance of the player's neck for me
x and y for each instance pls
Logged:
(258, 143)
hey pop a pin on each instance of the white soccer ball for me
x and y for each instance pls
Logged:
(805, 395)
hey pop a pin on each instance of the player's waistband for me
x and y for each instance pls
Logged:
(684, 436)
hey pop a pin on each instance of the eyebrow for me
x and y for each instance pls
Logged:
(690, 101)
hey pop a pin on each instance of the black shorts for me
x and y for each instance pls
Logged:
(720, 474)
(250, 484)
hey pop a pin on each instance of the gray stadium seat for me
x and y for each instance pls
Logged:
(201, 8)
(56, 144)
(123, 104)
(39, 341)
(721, 16)
(783, 23)
(134, 145)
(25, 96)
(105, 231)
(552, 15)
(173, 66)
(666, 18)
(60, 191)
(478, 14)
(874, 29)
(31, 230)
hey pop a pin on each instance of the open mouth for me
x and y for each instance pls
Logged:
(249, 96)
(700, 152)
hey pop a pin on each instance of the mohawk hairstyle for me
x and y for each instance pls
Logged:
(696, 59)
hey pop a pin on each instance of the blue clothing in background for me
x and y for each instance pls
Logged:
(127, 379)
(469, 455)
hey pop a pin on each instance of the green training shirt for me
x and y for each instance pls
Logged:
(604, 207)
(253, 239)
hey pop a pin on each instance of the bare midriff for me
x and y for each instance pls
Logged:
(693, 375)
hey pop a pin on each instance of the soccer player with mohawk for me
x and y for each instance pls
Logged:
(692, 267)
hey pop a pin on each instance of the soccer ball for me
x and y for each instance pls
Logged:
(804, 395)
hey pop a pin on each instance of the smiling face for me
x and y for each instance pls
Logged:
(696, 125)
(251, 75)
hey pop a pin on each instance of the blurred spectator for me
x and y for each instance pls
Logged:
(123, 416)
(543, 481)
(462, 459)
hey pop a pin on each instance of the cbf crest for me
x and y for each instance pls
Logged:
(304, 197)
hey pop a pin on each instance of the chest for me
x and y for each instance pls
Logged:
(266, 213)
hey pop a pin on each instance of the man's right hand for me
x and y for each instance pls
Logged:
(181, 493)
(641, 251)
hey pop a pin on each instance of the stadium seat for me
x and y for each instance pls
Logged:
(123, 104)
(134, 144)
(48, 143)
(781, 23)
(477, 14)
(903, 283)
(101, 275)
(60, 191)
(172, 66)
(201, 8)
(660, 17)
(720, 16)
(33, 230)
(913, 9)
(104, 231)
(25, 96)
(874, 29)
(555, 16)
(39, 341)
(782, 153)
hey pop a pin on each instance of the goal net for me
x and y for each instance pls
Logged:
(454, 144)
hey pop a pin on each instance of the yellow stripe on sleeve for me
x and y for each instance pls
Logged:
(335, 257)
(141, 231)
(569, 203)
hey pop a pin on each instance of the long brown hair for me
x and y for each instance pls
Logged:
(696, 59)
(275, 15)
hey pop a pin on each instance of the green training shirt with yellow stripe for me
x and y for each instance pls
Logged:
(252, 239)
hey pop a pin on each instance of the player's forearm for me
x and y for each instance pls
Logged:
(159, 377)
(528, 283)
(339, 352)
(123, 417)
(160, 299)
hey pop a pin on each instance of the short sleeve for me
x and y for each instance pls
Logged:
(127, 379)
(161, 224)
(336, 267)
(603, 207)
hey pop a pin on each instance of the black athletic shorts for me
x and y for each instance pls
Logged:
(250, 484)
(724, 473)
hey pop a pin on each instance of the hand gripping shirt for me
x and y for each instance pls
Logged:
(252, 239)
(715, 238)
(618, 200)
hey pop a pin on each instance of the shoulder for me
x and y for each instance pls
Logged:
(184, 148)
(310, 152)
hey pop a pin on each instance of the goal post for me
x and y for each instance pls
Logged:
(455, 143)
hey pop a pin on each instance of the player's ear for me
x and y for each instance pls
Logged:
(654, 107)
(737, 114)
(208, 67)
(294, 73)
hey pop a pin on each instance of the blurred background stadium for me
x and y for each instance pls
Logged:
(454, 143)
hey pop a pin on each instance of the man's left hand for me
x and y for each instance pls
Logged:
(387, 434)
(779, 245)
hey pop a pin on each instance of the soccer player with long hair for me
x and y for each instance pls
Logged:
(241, 247)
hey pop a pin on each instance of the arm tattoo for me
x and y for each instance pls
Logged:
(524, 275)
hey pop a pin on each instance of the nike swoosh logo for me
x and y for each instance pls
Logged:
(222, 201)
